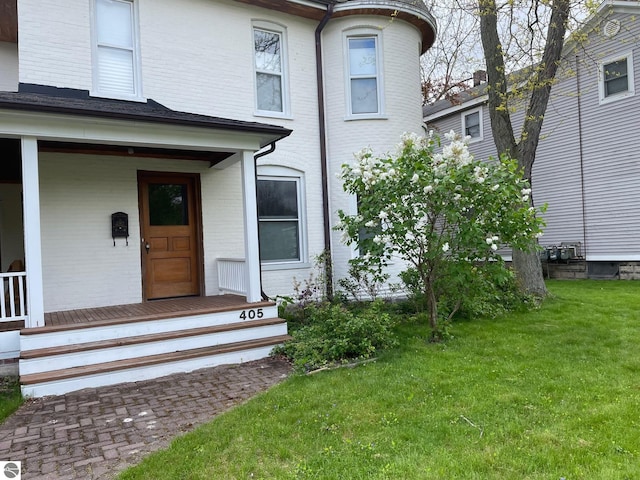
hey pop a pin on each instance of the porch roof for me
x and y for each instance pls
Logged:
(48, 99)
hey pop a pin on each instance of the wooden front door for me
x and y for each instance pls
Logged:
(169, 215)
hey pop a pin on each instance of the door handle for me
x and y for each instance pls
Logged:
(147, 247)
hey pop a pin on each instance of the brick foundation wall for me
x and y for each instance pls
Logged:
(630, 271)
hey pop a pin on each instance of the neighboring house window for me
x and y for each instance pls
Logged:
(364, 79)
(269, 55)
(472, 124)
(116, 59)
(616, 78)
(280, 220)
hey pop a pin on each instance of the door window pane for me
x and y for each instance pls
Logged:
(168, 204)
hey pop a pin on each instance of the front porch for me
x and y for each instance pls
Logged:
(138, 312)
(102, 346)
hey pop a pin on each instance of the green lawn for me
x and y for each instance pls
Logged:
(548, 394)
(10, 396)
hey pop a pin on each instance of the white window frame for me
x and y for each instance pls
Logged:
(135, 49)
(377, 36)
(279, 173)
(464, 116)
(284, 72)
(628, 56)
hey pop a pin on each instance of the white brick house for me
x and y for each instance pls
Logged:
(135, 137)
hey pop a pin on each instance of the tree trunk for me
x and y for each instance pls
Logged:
(526, 264)
(529, 273)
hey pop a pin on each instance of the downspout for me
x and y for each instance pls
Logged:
(271, 149)
(328, 272)
(581, 153)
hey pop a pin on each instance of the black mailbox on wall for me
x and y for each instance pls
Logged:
(119, 226)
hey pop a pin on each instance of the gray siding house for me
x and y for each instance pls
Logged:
(587, 167)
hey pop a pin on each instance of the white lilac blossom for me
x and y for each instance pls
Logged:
(445, 247)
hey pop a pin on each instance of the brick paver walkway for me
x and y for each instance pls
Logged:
(95, 433)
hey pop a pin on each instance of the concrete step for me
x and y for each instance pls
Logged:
(90, 353)
(58, 382)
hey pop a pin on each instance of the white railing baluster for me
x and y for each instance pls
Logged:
(13, 305)
(231, 277)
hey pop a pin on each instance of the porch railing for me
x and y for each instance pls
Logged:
(231, 275)
(14, 305)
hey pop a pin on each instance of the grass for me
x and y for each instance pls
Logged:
(547, 394)
(10, 396)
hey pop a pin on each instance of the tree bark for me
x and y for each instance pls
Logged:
(526, 263)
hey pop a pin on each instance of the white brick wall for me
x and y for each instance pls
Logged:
(54, 41)
(8, 67)
(401, 75)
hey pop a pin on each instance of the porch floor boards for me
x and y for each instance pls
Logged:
(150, 310)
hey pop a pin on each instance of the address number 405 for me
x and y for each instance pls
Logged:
(251, 314)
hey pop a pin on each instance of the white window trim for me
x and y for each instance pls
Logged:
(274, 172)
(137, 71)
(630, 78)
(463, 118)
(364, 32)
(282, 31)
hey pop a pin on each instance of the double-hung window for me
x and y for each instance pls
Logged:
(616, 78)
(269, 64)
(472, 124)
(116, 59)
(280, 219)
(364, 79)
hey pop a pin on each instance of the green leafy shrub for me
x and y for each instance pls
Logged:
(440, 213)
(331, 333)
(468, 290)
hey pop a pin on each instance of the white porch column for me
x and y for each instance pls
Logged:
(32, 244)
(251, 250)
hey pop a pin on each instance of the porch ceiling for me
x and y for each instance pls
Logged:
(124, 151)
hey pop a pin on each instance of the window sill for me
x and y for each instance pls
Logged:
(129, 98)
(285, 266)
(372, 116)
(616, 97)
(264, 114)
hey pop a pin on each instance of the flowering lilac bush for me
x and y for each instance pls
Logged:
(434, 210)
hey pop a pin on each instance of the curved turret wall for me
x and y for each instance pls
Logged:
(398, 47)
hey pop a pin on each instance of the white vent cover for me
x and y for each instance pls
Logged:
(611, 28)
